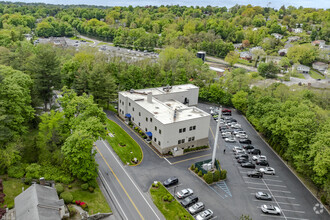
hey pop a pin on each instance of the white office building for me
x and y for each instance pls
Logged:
(168, 115)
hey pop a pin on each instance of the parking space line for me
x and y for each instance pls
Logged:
(268, 184)
(293, 211)
(216, 192)
(285, 197)
(284, 203)
(274, 216)
(274, 180)
(274, 190)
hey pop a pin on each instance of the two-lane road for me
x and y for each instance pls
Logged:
(131, 202)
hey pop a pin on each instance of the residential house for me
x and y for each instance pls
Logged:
(255, 48)
(238, 46)
(320, 66)
(58, 41)
(275, 59)
(324, 47)
(277, 36)
(293, 39)
(219, 71)
(245, 55)
(301, 68)
(318, 42)
(39, 202)
(283, 52)
(297, 30)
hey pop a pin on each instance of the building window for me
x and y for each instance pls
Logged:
(139, 124)
(150, 119)
(180, 130)
(183, 129)
(194, 127)
(139, 113)
(119, 101)
(133, 109)
(155, 128)
(160, 131)
(146, 119)
(122, 103)
(192, 146)
(182, 141)
(192, 138)
(133, 118)
(146, 129)
(155, 139)
(129, 104)
(189, 139)
(159, 143)
(179, 141)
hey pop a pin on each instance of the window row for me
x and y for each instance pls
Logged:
(181, 130)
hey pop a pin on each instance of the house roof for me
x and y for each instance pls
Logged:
(38, 203)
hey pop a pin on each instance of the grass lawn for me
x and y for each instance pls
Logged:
(121, 137)
(298, 75)
(171, 210)
(104, 43)
(316, 75)
(12, 188)
(95, 200)
(244, 62)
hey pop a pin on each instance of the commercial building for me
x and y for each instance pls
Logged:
(168, 115)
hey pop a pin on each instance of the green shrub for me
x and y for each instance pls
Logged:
(216, 176)
(67, 197)
(223, 174)
(59, 188)
(27, 180)
(33, 171)
(200, 173)
(208, 177)
(84, 186)
(92, 183)
(192, 167)
(16, 171)
(324, 199)
(91, 189)
(196, 170)
(153, 185)
(165, 198)
(170, 197)
(70, 186)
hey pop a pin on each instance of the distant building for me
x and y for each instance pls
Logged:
(283, 52)
(288, 45)
(277, 36)
(202, 55)
(245, 55)
(58, 41)
(238, 46)
(320, 66)
(293, 39)
(301, 68)
(297, 30)
(219, 71)
(167, 115)
(324, 47)
(39, 202)
(318, 42)
(276, 60)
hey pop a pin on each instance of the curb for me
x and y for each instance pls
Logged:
(285, 164)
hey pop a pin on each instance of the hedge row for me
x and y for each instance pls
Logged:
(194, 149)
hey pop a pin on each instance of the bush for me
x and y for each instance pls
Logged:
(59, 188)
(223, 174)
(208, 178)
(192, 167)
(324, 199)
(27, 180)
(67, 197)
(70, 186)
(196, 170)
(84, 186)
(165, 198)
(216, 176)
(92, 183)
(170, 197)
(33, 171)
(200, 173)
(194, 149)
(91, 189)
(16, 171)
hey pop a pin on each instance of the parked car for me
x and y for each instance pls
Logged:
(248, 165)
(171, 181)
(237, 130)
(242, 160)
(205, 215)
(184, 193)
(267, 170)
(230, 139)
(259, 157)
(245, 141)
(263, 196)
(241, 155)
(236, 125)
(189, 201)
(271, 209)
(254, 151)
(199, 206)
(255, 173)
(248, 147)
(242, 136)
(237, 148)
(262, 162)
(242, 151)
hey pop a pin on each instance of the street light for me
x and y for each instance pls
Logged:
(216, 138)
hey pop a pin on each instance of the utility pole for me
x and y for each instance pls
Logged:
(216, 137)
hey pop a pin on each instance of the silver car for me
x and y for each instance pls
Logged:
(267, 170)
(184, 193)
(207, 214)
(271, 209)
(199, 206)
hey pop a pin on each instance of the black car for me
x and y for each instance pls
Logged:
(245, 141)
(262, 162)
(189, 201)
(171, 181)
(255, 173)
(241, 155)
(243, 160)
(248, 147)
(248, 165)
(254, 151)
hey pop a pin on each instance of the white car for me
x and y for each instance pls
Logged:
(271, 209)
(241, 135)
(237, 148)
(241, 151)
(267, 170)
(230, 139)
(207, 214)
(184, 193)
(259, 157)
(199, 206)
(236, 126)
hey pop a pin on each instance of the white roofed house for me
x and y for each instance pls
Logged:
(167, 115)
(297, 30)
(277, 36)
(320, 66)
(301, 68)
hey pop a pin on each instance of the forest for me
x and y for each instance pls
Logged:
(294, 120)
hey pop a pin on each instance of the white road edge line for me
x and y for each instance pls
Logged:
(274, 198)
(284, 197)
(168, 161)
(285, 164)
(113, 194)
(287, 210)
(131, 180)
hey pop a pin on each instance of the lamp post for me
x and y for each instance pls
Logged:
(216, 138)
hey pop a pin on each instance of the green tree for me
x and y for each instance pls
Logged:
(240, 101)
(304, 54)
(268, 70)
(232, 58)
